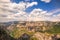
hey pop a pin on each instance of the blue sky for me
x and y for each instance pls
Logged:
(53, 4)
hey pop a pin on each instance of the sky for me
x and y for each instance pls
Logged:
(29, 10)
(43, 4)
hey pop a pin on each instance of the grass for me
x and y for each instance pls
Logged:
(33, 38)
(54, 30)
(17, 32)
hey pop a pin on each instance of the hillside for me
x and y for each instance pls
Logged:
(17, 29)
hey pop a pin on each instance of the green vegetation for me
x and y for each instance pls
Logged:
(33, 38)
(16, 33)
(4, 35)
(54, 30)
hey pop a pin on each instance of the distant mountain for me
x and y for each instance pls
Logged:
(13, 24)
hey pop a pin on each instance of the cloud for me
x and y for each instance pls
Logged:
(55, 10)
(16, 12)
(38, 15)
(4, 0)
(55, 15)
(46, 1)
(31, 4)
(41, 15)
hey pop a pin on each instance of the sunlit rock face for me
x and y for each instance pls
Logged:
(31, 27)
(42, 36)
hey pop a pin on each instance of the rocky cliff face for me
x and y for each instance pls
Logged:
(31, 25)
(46, 36)
(37, 27)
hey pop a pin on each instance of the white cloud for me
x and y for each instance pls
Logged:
(15, 12)
(55, 10)
(12, 11)
(41, 15)
(46, 1)
(4, 0)
(55, 15)
(37, 15)
(31, 4)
